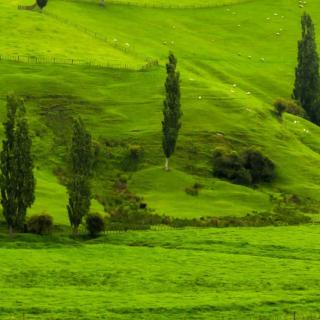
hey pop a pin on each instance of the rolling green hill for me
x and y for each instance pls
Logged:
(235, 58)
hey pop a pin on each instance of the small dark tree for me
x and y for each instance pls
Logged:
(42, 3)
(95, 223)
(307, 81)
(171, 123)
(81, 158)
(17, 181)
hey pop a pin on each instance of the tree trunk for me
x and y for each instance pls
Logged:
(75, 231)
(166, 165)
(10, 231)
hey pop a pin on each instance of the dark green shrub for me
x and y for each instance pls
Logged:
(95, 223)
(192, 191)
(261, 168)
(135, 152)
(280, 107)
(131, 158)
(40, 224)
(121, 183)
(230, 165)
(290, 106)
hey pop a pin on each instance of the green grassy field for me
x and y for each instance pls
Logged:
(235, 58)
(187, 274)
(217, 47)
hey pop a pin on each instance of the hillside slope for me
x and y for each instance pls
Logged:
(250, 44)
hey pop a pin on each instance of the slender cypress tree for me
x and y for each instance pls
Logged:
(17, 181)
(171, 123)
(307, 82)
(79, 189)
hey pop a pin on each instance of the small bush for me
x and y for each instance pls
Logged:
(260, 167)
(40, 224)
(95, 223)
(290, 106)
(135, 152)
(121, 183)
(132, 157)
(194, 190)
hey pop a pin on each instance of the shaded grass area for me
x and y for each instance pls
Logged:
(198, 274)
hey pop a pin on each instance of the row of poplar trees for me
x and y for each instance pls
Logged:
(17, 181)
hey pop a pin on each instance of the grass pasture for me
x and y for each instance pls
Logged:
(186, 274)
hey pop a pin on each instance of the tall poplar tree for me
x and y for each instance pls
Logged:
(17, 182)
(171, 123)
(307, 82)
(79, 189)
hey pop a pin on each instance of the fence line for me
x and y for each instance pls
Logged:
(155, 5)
(69, 61)
(111, 42)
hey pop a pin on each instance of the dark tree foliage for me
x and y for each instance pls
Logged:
(42, 3)
(95, 224)
(248, 168)
(40, 224)
(307, 83)
(171, 123)
(17, 182)
(260, 167)
(79, 190)
(230, 165)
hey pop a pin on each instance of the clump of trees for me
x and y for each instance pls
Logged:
(307, 81)
(17, 182)
(250, 167)
(171, 123)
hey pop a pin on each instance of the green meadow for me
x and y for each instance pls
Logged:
(235, 58)
(261, 273)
